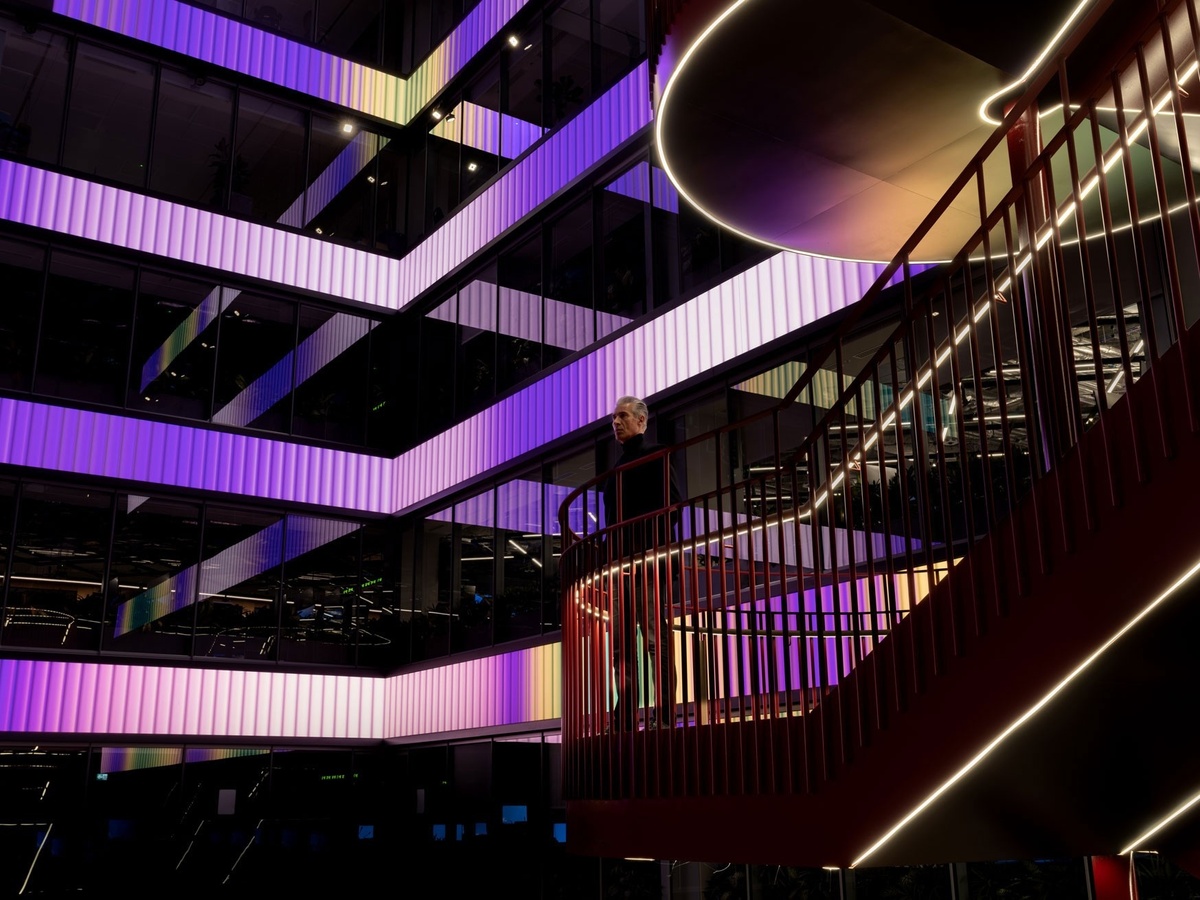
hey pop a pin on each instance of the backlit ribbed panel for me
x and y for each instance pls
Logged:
(354, 157)
(507, 689)
(46, 697)
(272, 58)
(110, 215)
(766, 302)
(104, 445)
(75, 206)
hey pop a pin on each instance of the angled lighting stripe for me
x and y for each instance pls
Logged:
(551, 167)
(1030, 713)
(82, 698)
(648, 184)
(355, 157)
(230, 567)
(250, 51)
(130, 759)
(323, 346)
(186, 332)
(1140, 840)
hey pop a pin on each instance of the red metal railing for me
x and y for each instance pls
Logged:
(810, 530)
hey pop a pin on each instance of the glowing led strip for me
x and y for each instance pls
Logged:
(1027, 715)
(1036, 64)
(1161, 824)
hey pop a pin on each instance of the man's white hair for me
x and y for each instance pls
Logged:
(638, 405)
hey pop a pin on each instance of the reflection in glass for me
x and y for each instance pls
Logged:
(569, 319)
(570, 86)
(22, 274)
(33, 89)
(108, 123)
(477, 554)
(154, 539)
(256, 333)
(175, 345)
(267, 163)
(84, 349)
(193, 128)
(522, 535)
(56, 598)
(239, 585)
(433, 598)
(321, 611)
(519, 274)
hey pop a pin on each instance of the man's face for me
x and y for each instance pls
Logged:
(625, 423)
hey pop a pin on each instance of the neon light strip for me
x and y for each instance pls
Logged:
(242, 48)
(78, 698)
(230, 567)
(82, 698)
(1030, 713)
(323, 346)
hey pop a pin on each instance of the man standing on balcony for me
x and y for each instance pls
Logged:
(641, 502)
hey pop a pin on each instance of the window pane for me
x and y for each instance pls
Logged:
(522, 535)
(623, 222)
(385, 601)
(192, 134)
(237, 615)
(321, 608)
(331, 371)
(524, 72)
(620, 36)
(519, 273)
(156, 550)
(477, 343)
(255, 362)
(21, 273)
(433, 598)
(569, 321)
(108, 124)
(350, 28)
(472, 623)
(175, 345)
(436, 381)
(293, 18)
(85, 330)
(56, 598)
(570, 60)
(268, 166)
(342, 177)
(33, 91)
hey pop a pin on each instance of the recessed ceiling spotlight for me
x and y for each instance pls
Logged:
(370, 179)
(319, 231)
(449, 117)
(528, 46)
(437, 115)
(471, 167)
(347, 128)
(513, 40)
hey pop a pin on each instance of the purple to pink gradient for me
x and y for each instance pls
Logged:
(70, 205)
(234, 45)
(90, 698)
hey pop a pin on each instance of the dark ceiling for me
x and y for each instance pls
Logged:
(833, 128)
